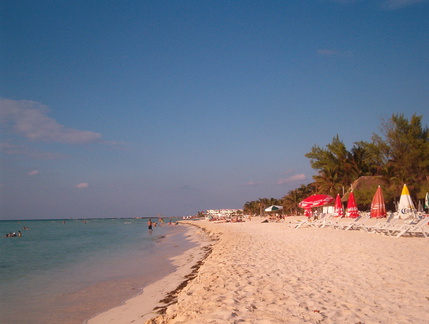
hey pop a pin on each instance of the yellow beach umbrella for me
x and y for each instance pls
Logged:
(406, 205)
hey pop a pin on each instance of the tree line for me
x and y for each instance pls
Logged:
(398, 156)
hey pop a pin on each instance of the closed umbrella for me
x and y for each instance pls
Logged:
(420, 207)
(338, 207)
(352, 210)
(406, 205)
(427, 200)
(378, 208)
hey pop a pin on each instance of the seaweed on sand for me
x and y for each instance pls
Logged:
(171, 297)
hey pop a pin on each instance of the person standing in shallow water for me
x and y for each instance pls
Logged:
(149, 225)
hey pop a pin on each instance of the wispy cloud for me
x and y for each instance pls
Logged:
(251, 184)
(293, 178)
(30, 119)
(33, 173)
(330, 52)
(14, 149)
(82, 185)
(397, 4)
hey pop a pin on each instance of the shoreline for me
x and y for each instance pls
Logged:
(154, 298)
(269, 273)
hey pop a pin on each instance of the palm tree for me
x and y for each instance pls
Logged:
(328, 182)
(292, 200)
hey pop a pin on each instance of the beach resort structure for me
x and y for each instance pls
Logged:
(222, 213)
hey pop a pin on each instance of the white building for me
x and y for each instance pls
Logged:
(221, 213)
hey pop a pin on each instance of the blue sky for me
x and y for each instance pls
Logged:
(138, 108)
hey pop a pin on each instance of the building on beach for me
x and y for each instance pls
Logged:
(223, 213)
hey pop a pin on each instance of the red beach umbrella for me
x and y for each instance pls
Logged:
(307, 212)
(338, 207)
(352, 209)
(378, 208)
(315, 201)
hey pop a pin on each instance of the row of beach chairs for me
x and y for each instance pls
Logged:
(391, 226)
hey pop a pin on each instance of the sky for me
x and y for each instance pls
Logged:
(139, 108)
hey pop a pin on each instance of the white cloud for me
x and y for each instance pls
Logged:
(30, 119)
(294, 178)
(82, 185)
(33, 173)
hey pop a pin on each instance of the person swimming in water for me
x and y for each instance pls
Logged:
(149, 225)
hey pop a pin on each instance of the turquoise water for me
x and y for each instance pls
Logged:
(70, 271)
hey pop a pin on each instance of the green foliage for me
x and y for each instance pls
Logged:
(257, 207)
(291, 201)
(400, 155)
(405, 148)
(424, 188)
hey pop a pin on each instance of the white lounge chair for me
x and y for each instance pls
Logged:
(333, 221)
(399, 226)
(355, 223)
(381, 226)
(310, 223)
(323, 222)
(299, 223)
(419, 227)
(344, 224)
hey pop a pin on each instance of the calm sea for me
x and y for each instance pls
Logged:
(66, 272)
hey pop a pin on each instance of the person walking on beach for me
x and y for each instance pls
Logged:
(149, 225)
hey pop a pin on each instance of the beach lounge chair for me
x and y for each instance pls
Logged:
(299, 223)
(304, 223)
(417, 228)
(360, 223)
(355, 223)
(381, 226)
(421, 228)
(309, 223)
(342, 225)
(399, 226)
(331, 221)
(321, 222)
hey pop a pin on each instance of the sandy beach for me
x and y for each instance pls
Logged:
(269, 273)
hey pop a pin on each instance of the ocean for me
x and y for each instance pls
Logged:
(68, 271)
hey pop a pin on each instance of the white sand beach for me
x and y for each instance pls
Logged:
(269, 273)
